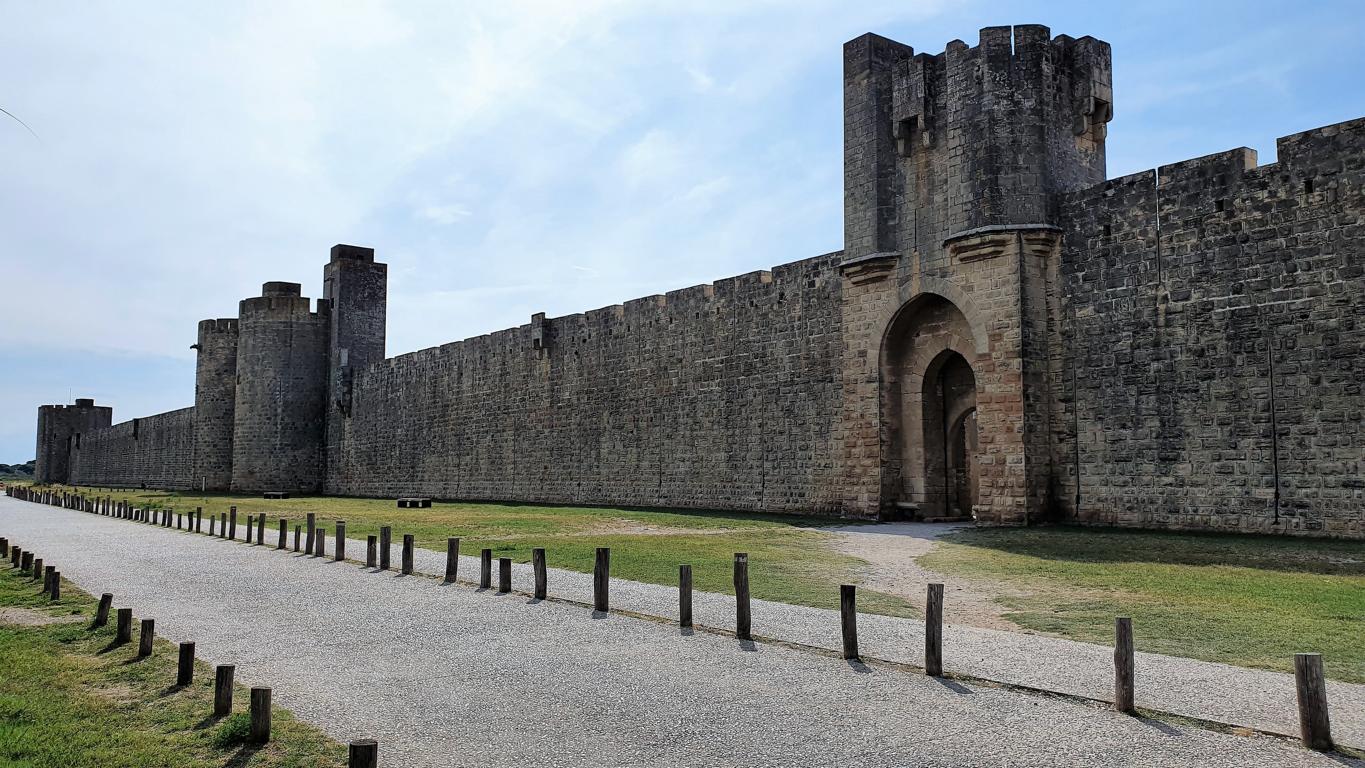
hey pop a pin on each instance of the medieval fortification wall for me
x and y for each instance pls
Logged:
(1006, 336)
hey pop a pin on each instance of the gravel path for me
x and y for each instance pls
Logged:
(450, 675)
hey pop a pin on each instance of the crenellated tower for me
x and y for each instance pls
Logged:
(215, 403)
(953, 169)
(59, 431)
(356, 286)
(278, 427)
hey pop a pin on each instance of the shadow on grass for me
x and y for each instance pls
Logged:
(1095, 544)
(243, 754)
(113, 645)
(171, 690)
(209, 722)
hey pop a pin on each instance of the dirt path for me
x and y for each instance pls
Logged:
(891, 550)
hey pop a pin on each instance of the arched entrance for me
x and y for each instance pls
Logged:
(931, 467)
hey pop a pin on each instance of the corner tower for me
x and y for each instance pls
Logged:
(356, 286)
(953, 168)
(59, 428)
(280, 389)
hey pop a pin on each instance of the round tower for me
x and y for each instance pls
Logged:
(215, 395)
(277, 438)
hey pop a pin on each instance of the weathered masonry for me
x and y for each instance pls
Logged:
(1006, 335)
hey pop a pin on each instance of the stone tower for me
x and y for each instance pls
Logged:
(59, 430)
(277, 437)
(356, 286)
(215, 404)
(953, 168)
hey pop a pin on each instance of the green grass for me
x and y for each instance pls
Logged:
(790, 558)
(1252, 601)
(70, 700)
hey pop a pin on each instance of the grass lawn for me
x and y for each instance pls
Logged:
(1253, 601)
(70, 700)
(790, 559)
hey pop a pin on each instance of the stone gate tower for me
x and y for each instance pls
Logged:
(953, 168)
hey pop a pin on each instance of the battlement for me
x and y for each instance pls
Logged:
(342, 252)
(277, 288)
(82, 403)
(219, 325)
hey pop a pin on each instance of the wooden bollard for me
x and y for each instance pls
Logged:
(145, 637)
(184, 668)
(54, 592)
(538, 568)
(284, 534)
(198, 519)
(222, 525)
(320, 542)
(1314, 724)
(47, 577)
(16, 556)
(125, 626)
(1123, 665)
(371, 550)
(37, 569)
(385, 545)
(260, 715)
(452, 559)
(296, 538)
(685, 596)
(504, 574)
(408, 545)
(310, 528)
(340, 547)
(260, 530)
(743, 610)
(213, 521)
(848, 619)
(222, 689)
(179, 521)
(933, 631)
(102, 610)
(363, 753)
(4, 547)
(485, 568)
(601, 577)
(250, 523)
(232, 523)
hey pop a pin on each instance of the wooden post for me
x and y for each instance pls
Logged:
(310, 529)
(1314, 725)
(180, 521)
(364, 753)
(198, 519)
(933, 631)
(145, 638)
(213, 519)
(504, 574)
(250, 522)
(184, 669)
(485, 568)
(4, 547)
(260, 531)
(601, 576)
(284, 534)
(16, 555)
(371, 550)
(102, 610)
(1123, 665)
(222, 525)
(296, 538)
(848, 619)
(319, 542)
(408, 544)
(55, 591)
(232, 523)
(385, 543)
(340, 545)
(743, 614)
(47, 578)
(538, 566)
(452, 559)
(36, 571)
(260, 715)
(222, 690)
(685, 596)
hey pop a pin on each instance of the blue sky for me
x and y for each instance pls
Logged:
(504, 158)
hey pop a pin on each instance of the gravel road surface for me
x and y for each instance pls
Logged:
(449, 675)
